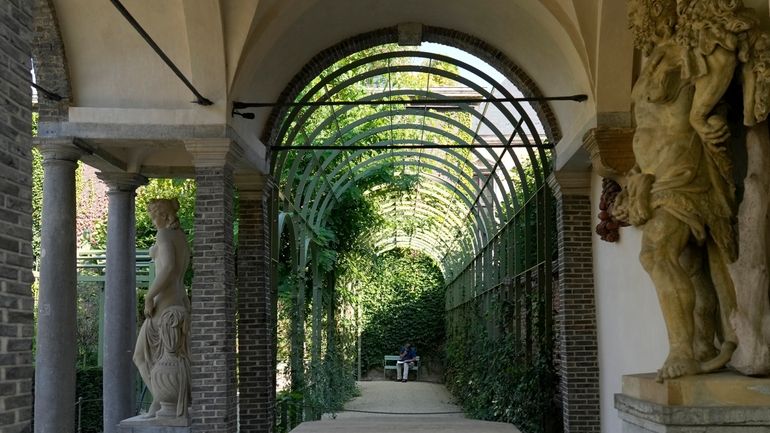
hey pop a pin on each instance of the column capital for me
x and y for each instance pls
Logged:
(611, 150)
(59, 149)
(570, 182)
(213, 152)
(252, 186)
(119, 181)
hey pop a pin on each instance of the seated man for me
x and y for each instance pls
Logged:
(407, 357)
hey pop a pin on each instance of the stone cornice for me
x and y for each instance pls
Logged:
(611, 150)
(60, 149)
(213, 152)
(570, 182)
(121, 181)
(252, 186)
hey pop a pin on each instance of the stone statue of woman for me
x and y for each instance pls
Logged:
(162, 347)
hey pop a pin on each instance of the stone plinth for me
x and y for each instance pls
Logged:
(715, 403)
(138, 424)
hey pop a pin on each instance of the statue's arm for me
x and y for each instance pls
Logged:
(709, 90)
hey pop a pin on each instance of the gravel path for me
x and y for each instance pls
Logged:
(413, 406)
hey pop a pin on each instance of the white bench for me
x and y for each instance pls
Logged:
(389, 363)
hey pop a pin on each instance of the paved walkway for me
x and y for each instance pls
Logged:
(393, 406)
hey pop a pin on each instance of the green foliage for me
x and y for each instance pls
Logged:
(494, 380)
(89, 388)
(37, 202)
(332, 385)
(402, 301)
(181, 189)
(88, 317)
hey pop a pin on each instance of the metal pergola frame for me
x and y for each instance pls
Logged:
(496, 241)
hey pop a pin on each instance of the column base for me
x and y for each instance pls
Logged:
(722, 402)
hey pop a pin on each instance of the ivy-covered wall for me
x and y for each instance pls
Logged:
(403, 301)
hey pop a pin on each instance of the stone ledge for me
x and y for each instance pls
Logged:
(643, 416)
(721, 389)
(152, 429)
(139, 424)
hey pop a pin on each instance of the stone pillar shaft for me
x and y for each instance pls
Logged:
(212, 346)
(576, 318)
(256, 308)
(119, 299)
(57, 298)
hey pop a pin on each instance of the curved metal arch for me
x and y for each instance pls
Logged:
(443, 211)
(322, 84)
(402, 152)
(411, 242)
(420, 214)
(412, 210)
(483, 216)
(523, 116)
(286, 224)
(496, 205)
(429, 190)
(422, 235)
(423, 245)
(539, 166)
(407, 92)
(513, 121)
(477, 241)
(369, 166)
(324, 165)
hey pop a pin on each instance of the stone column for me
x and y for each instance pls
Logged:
(256, 305)
(120, 298)
(57, 298)
(576, 318)
(212, 345)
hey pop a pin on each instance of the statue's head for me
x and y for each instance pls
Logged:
(163, 212)
(652, 22)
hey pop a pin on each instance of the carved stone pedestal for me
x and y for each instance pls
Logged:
(715, 403)
(138, 424)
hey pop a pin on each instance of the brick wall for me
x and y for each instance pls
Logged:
(16, 305)
(256, 313)
(50, 62)
(213, 304)
(576, 318)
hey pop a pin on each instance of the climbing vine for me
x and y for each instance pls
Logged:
(495, 379)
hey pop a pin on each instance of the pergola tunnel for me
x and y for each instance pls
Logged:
(412, 205)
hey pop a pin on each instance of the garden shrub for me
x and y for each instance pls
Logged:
(89, 388)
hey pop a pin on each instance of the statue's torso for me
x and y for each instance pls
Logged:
(175, 293)
(665, 143)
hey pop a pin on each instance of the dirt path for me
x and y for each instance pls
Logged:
(394, 406)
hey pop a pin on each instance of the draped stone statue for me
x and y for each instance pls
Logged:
(681, 192)
(163, 347)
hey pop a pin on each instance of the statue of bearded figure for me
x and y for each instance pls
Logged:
(681, 191)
